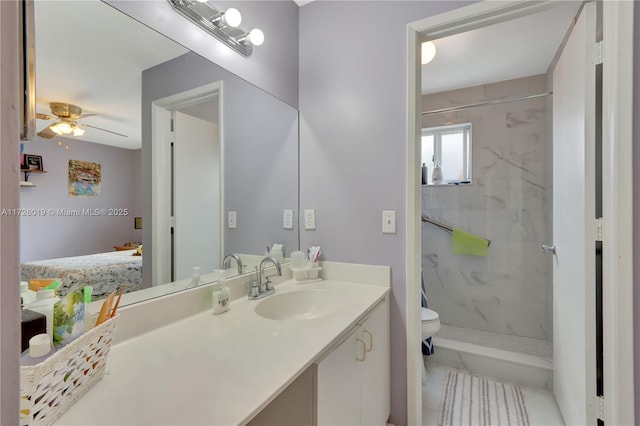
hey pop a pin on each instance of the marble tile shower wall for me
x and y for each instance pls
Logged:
(506, 291)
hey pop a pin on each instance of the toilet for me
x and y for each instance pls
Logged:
(430, 326)
(430, 323)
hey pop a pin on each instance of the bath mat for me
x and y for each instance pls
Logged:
(476, 401)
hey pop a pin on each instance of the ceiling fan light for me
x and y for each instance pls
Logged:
(58, 128)
(77, 131)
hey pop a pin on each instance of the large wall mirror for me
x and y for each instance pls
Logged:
(142, 141)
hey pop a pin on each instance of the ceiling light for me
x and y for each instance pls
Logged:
(222, 26)
(428, 52)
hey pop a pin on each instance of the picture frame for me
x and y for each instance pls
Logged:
(137, 223)
(33, 162)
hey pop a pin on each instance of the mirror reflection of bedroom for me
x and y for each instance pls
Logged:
(82, 199)
(96, 183)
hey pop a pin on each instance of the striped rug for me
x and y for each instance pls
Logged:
(476, 401)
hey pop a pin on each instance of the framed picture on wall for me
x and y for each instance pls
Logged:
(33, 162)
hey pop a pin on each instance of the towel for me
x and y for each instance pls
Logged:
(427, 344)
(465, 243)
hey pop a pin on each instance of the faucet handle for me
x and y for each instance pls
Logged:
(254, 289)
(268, 283)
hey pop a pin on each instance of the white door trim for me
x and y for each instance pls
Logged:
(161, 171)
(617, 185)
(617, 171)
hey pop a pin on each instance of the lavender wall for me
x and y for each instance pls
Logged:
(353, 83)
(272, 66)
(55, 235)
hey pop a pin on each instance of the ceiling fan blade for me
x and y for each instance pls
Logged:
(47, 133)
(104, 130)
(42, 116)
(87, 115)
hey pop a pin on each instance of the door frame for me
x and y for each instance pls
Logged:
(161, 171)
(617, 173)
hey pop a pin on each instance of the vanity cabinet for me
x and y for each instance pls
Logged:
(353, 380)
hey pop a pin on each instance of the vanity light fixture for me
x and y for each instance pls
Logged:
(428, 52)
(221, 25)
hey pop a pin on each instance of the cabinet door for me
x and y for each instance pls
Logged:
(375, 377)
(339, 384)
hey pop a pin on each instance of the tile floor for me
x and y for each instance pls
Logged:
(541, 405)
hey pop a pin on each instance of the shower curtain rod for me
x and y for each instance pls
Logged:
(427, 219)
(485, 103)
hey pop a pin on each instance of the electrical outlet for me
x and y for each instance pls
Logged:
(287, 219)
(310, 219)
(232, 220)
(388, 222)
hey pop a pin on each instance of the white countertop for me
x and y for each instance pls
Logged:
(216, 369)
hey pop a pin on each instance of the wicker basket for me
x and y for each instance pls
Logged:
(48, 389)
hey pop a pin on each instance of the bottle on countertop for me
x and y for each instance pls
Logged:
(425, 174)
(45, 299)
(220, 296)
(28, 296)
(33, 323)
(436, 177)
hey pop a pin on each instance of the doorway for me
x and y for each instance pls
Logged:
(481, 15)
(187, 184)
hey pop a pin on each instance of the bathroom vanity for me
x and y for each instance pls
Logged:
(309, 354)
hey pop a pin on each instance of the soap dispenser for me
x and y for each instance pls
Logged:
(436, 177)
(220, 295)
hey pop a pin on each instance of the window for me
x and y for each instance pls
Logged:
(450, 148)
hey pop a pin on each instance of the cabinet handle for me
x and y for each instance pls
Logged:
(367, 332)
(364, 350)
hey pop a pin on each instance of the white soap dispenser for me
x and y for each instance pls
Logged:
(436, 177)
(220, 296)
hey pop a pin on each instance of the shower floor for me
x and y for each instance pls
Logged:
(507, 342)
(520, 360)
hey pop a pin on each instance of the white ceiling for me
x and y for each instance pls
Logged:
(91, 55)
(512, 49)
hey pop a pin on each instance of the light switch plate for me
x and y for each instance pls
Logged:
(310, 219)
(232, 220)
(287, 219)
(389, 222)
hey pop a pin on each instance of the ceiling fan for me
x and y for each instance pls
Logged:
(67, 116)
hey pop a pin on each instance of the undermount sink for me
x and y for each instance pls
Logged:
(297, 305)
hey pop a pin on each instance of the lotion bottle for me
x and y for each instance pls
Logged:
(220, 295)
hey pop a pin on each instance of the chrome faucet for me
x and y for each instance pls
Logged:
(259, 289)
(226, 263)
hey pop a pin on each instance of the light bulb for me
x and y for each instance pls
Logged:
(428, 52)
(59, 143)
(232, 17)
(64, 127)
(56, 129)
(256, 37)
(77, 131)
